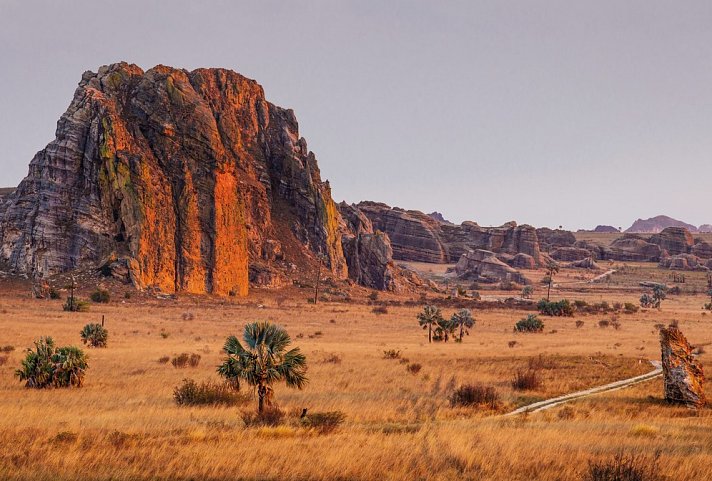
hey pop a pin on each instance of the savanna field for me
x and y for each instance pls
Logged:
(369, 360)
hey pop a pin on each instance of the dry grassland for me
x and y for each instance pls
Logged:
(124, 425)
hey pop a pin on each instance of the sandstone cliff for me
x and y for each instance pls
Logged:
(185, 175)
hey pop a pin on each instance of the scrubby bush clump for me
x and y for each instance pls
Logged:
(555, 308)
(184, 360)
(190, 393)
(531, 323)
(624, 467)
(95, 335)
(50, 366)
(323, 422)
(526, 380)
(475, 395)
(75, 305)
(101, 296)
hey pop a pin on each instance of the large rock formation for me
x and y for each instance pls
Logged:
(631, 248)
(185, 174)
(481, 265)
(705, 228)
(552, 238)
(701, 249)
(673, 240)
(657, 224)
(682, 374)
(570, 254)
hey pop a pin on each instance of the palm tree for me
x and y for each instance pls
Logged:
(551, 269)
(464, 320)
(430, 316)
(265, 361)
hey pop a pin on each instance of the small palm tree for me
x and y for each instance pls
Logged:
(265, 361)
(551, 269)
(430, 317)
(95, 335)
(48, 366)
(464, 320)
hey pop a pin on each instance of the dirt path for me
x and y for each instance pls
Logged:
(550, 403)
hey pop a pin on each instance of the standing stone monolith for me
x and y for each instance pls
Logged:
(682, 374)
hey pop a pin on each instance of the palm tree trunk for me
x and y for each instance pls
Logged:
(548, 292)
(430, 333)
(261, 391)
(462, 327)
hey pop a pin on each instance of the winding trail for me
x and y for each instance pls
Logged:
(550, 403)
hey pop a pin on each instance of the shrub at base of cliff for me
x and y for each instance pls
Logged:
(531, 323)
(95, 335)
(100, 296)
(555, 308)
(49, 366)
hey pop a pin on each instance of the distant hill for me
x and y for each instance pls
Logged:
(657, 224)
(605, 229)
(705, 228)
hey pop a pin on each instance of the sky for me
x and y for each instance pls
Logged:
(548, 112)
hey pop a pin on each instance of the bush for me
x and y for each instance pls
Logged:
(75, 305)
(380, 310)
(391, 354)
(630, 308)
(95, 335)
(164, 359)
(100, 296)
(527, 292)
(579, 324)
(475, 395)
(624, 467)
(373, 296)
(526, 380)
(603, 323)
(531, 323)
(324, 422)
(190, 393)
(184, 360)
(271, 416)
(54, 294)
(555, 308)
(414, 368)
(3, 360)
(7, 348)
(49, 366)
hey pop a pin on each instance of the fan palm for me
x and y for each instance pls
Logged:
(551, 269)
(430, 317)
(464, 320)
(264, 361)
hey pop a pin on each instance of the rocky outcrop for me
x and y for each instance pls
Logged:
(439, 217)
(414, 236)
(184, 175)
(632, 248)
(683, 376)
(483, 266)
(522, 261)
(606, 229)
(674, 240)
(683, 262)
(370, 260)
(550, 239)
(705, 228)
(657, 224)
(569, 254)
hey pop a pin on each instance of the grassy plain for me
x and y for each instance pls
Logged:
(124, 425)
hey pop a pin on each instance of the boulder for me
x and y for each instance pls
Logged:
(683, 376)
(569, 254)
(481, 265)
(606, 229)
(674, 240)
(522, 261)
(702, 249)
(587, 263)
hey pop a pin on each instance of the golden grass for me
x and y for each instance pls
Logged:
(124, 425)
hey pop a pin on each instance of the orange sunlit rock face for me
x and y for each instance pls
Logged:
(180, 174)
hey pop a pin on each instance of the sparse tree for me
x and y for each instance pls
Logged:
(430, 318)
(264, 361)
(527, 292)
(463, 320)
(551, 269)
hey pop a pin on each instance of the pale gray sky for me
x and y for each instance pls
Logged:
(547, 112)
